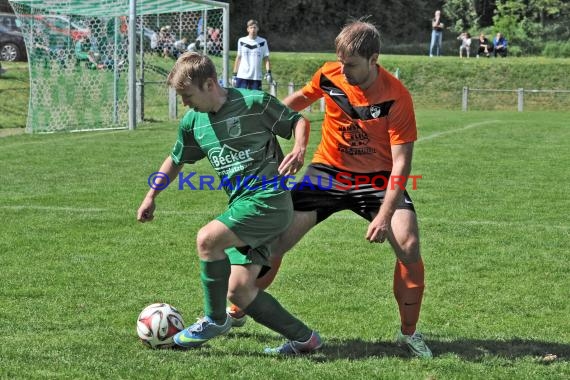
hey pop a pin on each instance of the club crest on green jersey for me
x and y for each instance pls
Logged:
(233, 126)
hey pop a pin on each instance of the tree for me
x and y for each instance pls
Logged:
(462, 14)
(308, 25)
(530, 23)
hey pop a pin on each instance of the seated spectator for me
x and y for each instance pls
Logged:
(485, 46)
(179, 47)
(465, 46)
(84, 53)
(215, 41)
(198, 44)
(500, 45)
(107, 58)
(154, 42)
(166, 41)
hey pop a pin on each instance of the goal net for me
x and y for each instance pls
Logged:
(78, 53)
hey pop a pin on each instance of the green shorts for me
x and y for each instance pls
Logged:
(257, 219)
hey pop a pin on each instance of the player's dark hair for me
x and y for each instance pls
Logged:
(358, 38)
(191, 68)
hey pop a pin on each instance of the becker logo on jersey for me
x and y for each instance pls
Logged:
(227, 157)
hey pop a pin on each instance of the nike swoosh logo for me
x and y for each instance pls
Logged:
(183, 339)
(408, 202)
(334, 92)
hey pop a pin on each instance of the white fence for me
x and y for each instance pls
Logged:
(520, 93)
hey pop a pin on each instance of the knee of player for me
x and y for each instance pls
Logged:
(205, 242)
(233, 293)
(238, 293)
(278, 247)
(409, 249)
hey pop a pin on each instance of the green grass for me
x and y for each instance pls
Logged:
(76, 267)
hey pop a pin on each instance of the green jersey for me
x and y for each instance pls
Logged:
(239, 140)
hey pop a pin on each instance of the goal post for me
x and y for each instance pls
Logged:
(80, 54)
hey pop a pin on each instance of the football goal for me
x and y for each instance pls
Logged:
(88, 59)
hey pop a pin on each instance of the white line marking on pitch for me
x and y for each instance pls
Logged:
(492, 223)
(188, 213)
(469, 126)
(55, 208)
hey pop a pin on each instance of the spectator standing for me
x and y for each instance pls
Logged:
(500, 45)
(252, 51)
(436, 34)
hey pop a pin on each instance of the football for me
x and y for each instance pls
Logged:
(157, 324)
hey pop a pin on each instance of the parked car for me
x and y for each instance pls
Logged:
(12, 45)
(63, 25)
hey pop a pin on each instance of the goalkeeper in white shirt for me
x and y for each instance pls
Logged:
(252, 52)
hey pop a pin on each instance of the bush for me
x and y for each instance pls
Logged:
(551, 50)
(515, 51)
(557, 49)
(565, 50)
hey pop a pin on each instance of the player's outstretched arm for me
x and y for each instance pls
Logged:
(294, 161)
(297, 101)
(168, 171)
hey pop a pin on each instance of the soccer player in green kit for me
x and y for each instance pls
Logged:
(236, 129)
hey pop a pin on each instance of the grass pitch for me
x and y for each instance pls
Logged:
(76, 267)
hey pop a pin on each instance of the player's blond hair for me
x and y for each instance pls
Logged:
(191, 68)
(358, 38)
(252, 22)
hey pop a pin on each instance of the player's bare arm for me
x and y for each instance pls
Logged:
(145, 212)
(267, 64)
(401, 166)
(297, 101)
(236, 64)
(295, 160)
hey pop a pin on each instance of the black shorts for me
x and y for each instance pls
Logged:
(327, 190)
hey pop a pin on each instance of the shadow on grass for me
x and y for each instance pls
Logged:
(469, 349)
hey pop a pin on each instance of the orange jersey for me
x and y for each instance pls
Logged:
(360, 126)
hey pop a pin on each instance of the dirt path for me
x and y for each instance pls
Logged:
(11, 131)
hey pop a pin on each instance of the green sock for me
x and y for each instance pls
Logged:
(215, 276)
(268, 311)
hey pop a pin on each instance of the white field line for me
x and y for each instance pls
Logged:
(85, 210)
(53, 208)
(343, 215)
(493, 223)
(468, 126)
